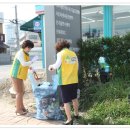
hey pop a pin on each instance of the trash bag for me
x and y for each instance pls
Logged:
(47, 100)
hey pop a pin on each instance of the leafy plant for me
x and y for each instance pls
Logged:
(105, 103)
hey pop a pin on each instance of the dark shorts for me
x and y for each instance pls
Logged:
(68, 92)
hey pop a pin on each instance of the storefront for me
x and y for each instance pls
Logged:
(99, 20)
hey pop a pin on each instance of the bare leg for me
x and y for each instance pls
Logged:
(75, 106)
(67, 111)
(22, 105)
(18, 86)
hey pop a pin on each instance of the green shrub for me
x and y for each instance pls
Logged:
(115, 49)
(105, 103)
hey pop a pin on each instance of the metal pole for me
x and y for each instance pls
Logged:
(42, 39)
(17, 29)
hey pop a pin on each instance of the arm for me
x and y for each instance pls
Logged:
(20, 57)
(57, 63)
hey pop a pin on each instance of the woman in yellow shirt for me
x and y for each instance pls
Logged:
(19, 73)
(67, 69)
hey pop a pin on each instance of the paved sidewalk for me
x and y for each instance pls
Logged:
(8, 117)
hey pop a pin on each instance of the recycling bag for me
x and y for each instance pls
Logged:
(47, 99)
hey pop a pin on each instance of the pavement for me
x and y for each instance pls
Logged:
(8, 117)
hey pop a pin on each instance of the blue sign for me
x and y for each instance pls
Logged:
(37, 25)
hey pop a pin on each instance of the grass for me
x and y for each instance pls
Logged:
(106, 104)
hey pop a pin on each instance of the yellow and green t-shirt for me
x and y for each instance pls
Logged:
(20, 70)
(68, 71)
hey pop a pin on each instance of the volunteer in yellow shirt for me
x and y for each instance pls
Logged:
(19, 73)
(67, 69)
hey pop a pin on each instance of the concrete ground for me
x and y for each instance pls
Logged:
(8, 117)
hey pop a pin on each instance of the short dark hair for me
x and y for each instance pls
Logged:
(62, 43)
(27, 43)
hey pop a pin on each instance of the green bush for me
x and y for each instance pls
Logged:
(115, 49)
(105, 103)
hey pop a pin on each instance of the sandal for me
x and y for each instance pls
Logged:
(18, 113)
(68, 123)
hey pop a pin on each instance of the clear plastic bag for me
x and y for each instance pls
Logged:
(47, 100)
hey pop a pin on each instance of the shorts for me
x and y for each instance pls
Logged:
(68, 92)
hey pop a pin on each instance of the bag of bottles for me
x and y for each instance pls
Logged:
(47, 100)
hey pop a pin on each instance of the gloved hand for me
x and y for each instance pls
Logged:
(32, 69)
(50, 68)
(35, 58)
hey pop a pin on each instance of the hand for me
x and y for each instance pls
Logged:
(35, 58)
(32, 69)
(50, 68)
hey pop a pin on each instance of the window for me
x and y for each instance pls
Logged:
(92, 21)
(121, 19)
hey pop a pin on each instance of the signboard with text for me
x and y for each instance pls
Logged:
(68, 23)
